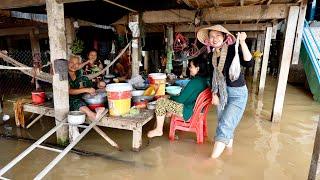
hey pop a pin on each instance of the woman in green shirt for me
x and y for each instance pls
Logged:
(184, 103)
(78, 85)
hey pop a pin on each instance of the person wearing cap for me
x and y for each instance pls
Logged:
(229, 91)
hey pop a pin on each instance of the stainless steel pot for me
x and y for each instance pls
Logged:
(98, 98)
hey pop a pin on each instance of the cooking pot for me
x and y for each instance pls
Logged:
(76, 117)
(38, 97)
(98, 98)
(108, 78)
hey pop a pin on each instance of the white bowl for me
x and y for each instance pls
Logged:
(76, 117)
(137, 92)
(5, 117)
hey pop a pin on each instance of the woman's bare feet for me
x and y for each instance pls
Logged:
(230, 144)
(218, 149)
(99, 111)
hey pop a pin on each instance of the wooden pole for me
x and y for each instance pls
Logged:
(274, 30)
(146, 61)
(170, 49)
(58, 50)
(257, 61)
(315, 155)
(70, 35)
(35, 47)
(285, 63)
(297, 42)
(34, 40)
(134, 27)
(265, 61)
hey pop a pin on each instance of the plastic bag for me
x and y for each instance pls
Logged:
(235, 69)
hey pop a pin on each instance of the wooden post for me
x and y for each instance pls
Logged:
(297, 42)
(35, 47)
(58, 49)
(170, 50)
(315, 155)
(274, 30)
(134, 27)
(70, 35)
(34, 40)
(146, 61)
(253, 45)
(265, 61)
(257, 61)
(285, 63)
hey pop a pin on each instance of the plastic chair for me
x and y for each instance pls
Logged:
(197, 122)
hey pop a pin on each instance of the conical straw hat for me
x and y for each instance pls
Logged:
(203, 34)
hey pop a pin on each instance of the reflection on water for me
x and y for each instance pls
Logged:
(262, 150)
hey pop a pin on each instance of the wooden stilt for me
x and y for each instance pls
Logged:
(58, 50)
(35, 47)
(257, 61)
(265, 61)
(298, 38)
(134, 27)
(315, 156)
(285, 63)
(146, 61)
(70, 34)
(170, 50)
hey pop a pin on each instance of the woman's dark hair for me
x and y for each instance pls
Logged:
(92, 50)
(202, 64)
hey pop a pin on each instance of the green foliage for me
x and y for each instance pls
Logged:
(77, 46)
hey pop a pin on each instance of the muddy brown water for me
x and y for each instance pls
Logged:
(262, 150)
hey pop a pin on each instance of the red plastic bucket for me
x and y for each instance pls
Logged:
(38, 97)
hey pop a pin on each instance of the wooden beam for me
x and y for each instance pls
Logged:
(58, 50)
(10, 4)
(274, 11)
(297, 42)
(230, 27)
(285, 64)
(16, 31)
(119, 5)
(168, 16)
(315, 155)
(265, 60)
(72, 1)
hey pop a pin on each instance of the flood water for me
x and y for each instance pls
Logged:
(262, 150)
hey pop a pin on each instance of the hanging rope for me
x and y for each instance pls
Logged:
(180, 42)
(46, 77)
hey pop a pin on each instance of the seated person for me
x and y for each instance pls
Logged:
(182, 104)
(78, 85)
(122, 68)
(92, 66)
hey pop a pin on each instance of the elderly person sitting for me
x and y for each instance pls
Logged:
(78, 85)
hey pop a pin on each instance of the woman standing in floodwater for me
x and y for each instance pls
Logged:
(229, 90)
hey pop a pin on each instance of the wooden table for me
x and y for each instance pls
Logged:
(133, 124)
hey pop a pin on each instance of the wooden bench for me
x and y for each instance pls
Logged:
(133, 124)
